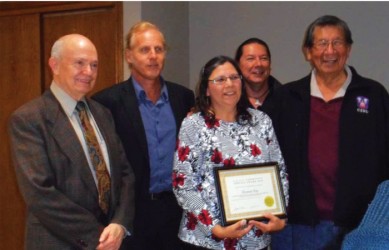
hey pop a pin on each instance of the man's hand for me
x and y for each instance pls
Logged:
(111, 237)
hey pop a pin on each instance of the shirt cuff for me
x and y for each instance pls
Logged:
(126, 232)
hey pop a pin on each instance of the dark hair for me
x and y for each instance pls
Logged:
(203, 104)
(322, 21)
(239, 51)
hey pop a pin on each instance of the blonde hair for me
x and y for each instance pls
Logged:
(139, 27)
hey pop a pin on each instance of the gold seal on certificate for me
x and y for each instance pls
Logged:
(249, 191)
(269, 201)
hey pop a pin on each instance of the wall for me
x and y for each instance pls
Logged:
(131, 15)
(219, 27)
(172, 18)
(198, 30)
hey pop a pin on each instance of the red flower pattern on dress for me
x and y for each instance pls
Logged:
(205, 218)
(183, 153)
(229, 162)
(178, 179)
(192, 221)
(230, 244)
(211, 123)
(258, 233)
(255, 151)
(216, 156)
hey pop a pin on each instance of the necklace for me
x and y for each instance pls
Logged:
(258, 99)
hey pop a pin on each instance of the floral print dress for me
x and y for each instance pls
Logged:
(203, 145)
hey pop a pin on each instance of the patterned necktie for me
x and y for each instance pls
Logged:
(96, 156)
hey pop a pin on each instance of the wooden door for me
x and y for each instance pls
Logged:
(28, 30)
(20, 82)
(96, 24)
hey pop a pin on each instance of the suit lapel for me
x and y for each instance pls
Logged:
(63, 132)
(174, 104)
(130, 103)
(131, 107)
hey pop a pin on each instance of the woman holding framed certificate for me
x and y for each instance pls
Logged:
(225, 210)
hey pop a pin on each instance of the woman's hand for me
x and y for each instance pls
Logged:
(273, 225)
(237, 230)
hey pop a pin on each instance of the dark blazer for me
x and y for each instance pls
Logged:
(123, 103)
(363, 148)
(56, 182)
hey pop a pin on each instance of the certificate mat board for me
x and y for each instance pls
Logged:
(249, 191)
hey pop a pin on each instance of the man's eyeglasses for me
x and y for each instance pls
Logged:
(323, 44)
(223, 79)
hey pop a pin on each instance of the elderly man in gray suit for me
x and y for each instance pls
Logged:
(69, 162)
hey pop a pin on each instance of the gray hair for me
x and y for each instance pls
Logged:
(326, 20)
(56, 50)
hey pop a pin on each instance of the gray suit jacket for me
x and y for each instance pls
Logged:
(56, 182)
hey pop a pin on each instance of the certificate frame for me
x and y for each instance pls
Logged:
(249, 191)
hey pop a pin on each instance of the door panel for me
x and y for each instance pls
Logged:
(28, 30)
(20, 82)
(101, 33)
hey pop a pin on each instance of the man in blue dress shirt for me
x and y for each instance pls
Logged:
(148, 112)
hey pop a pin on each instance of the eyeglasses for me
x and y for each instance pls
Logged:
(223, 79)
(323, 44)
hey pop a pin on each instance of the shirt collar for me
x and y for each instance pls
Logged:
(341, 92)
(67, 102)
(141, 94)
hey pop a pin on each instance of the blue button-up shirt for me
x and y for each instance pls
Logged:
(160, 127)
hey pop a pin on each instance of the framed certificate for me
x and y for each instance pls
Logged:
(249, 191)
